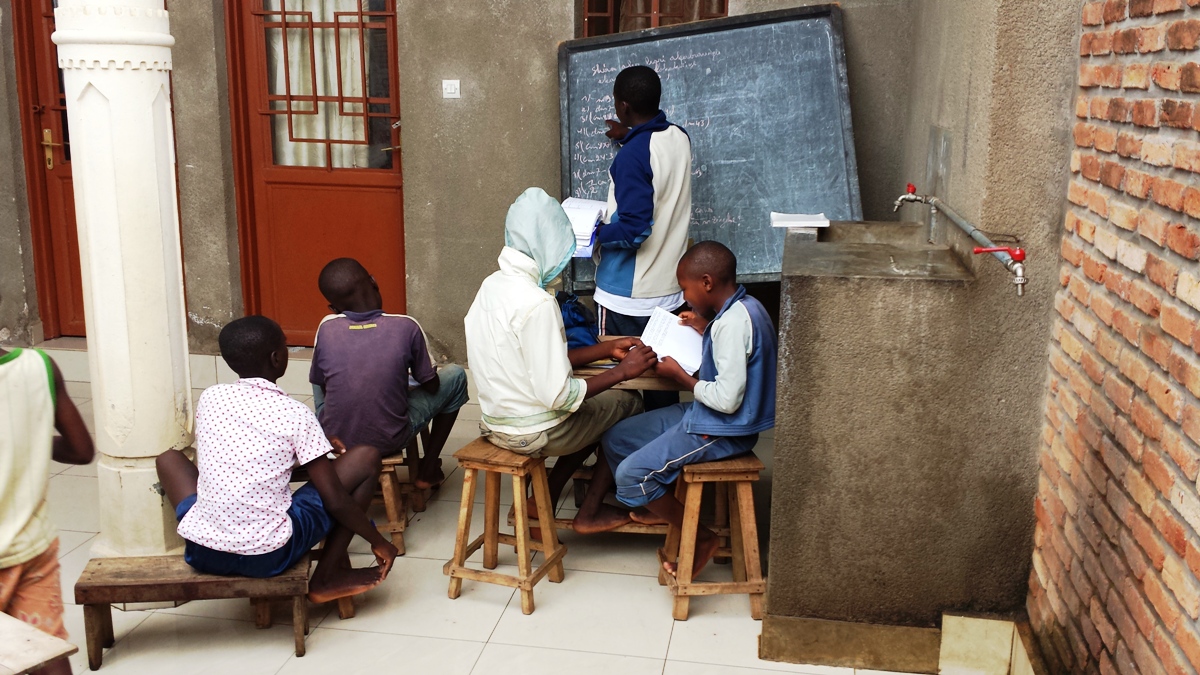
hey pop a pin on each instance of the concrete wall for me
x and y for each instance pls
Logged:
(880, 44)
(961, 377)
(204, 159)
(466, 159)
(18, 296)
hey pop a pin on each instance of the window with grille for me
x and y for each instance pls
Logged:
(603, 17)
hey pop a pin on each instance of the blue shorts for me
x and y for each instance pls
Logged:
(647, 452)
(311, 523)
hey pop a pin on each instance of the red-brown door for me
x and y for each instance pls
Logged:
(48, 169)
(316, 135)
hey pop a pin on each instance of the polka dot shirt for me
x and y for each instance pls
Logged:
(249, 435)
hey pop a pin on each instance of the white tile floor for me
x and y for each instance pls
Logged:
(609, 615)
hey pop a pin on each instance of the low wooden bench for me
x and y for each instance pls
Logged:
(169, 579)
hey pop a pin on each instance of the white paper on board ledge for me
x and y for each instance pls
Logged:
(667, 337)
(798, 219)
(584, 215)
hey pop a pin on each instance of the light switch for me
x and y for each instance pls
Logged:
(450, 89)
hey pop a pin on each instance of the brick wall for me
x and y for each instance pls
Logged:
(1115, 585)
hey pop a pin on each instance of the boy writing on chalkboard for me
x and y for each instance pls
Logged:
(649, 206)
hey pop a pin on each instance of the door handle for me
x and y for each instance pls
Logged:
(390, 149)
(48, 146)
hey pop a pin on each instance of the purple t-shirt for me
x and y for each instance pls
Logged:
(363, 360)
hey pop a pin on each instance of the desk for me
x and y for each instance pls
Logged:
(24, 648)
(647, 382)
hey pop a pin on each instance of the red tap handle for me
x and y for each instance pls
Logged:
(912, 189)
(1018, 254)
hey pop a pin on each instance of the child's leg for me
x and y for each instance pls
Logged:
(32, 592)
(358, 471)
(443, 407)
(178, 476)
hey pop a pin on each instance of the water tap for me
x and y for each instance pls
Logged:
(1016, 264)
(910, 195)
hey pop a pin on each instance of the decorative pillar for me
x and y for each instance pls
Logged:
(115, 57)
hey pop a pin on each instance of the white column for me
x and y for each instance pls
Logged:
(115, 56)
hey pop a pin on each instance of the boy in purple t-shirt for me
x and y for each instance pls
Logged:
(363, 364)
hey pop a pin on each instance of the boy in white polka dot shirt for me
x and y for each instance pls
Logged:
(236, 512)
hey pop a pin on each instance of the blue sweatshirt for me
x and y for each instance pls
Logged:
(650, 207)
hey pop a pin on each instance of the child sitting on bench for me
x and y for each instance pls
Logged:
(362, 363)
(35, 403)
(735, 396)
(235, 510)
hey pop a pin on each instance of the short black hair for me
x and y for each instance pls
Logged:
(247, 343)
(640, 87)
(712, 258)
(340, 278)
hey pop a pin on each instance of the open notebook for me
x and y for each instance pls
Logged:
(667, 337)
(584, 214)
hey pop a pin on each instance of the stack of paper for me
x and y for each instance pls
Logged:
(667, 337)
(799, 220)
(584, 214)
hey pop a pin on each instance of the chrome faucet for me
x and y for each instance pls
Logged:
(910, 195)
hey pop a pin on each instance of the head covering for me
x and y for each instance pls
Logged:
(538, 227)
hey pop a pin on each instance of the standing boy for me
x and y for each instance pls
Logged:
(735, 395)
(33, 403)
(236, 512)
(650, 206)
(363, 362)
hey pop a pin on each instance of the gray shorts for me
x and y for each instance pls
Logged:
(580, 429)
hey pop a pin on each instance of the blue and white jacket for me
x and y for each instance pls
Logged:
(650, 206)
(736, 392)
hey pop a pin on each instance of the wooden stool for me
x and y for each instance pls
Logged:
(168, 578)
(488, 462)
(736, 475)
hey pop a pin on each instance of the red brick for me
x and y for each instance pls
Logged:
(1134, 76)
(1086, 229)
(1176, 114)
(1138, 183)
(1145, 113)
(1143, 297)
(1185, 368)
(1186, 589)
(1119, 392)
(1098, 107)
(1128, 325)
(1079, 289)
(1085, 47)
(1071, 251)
(1094, 268)
(1129, 145)
(1105, 139)
(1077, 193)
(1109, 347)
(1089, 167)
(1193, 556)
(1134, 368)
(1081, 106)
(1093, 14)
(1140, 8)
(1162, 273)
(1156, 470)
(1186, 156)
(1177, 323)
(1166, 75)
(1111, 173)
(1189, 78)
(1156, 346)
(1104, 626)
(1179, 449)
(1114, 11)
(1156, 150)
(1101, 43)
(1085, 135)
(1107, 76)
(1115, 281)
(1120, 109)
(1147, 419)
(1152, 226)
(1160, 598)
(1102, 306)
(1168, 193)
(1183, 35)
(1125, 41)
(1168, 399)
(1191, 423)
(1152, 38)
(1173, 660)
(1167, 6)
(1191, 202)
(1139, 608)
(1098, 203)
(1120, 214)
(1189, 642)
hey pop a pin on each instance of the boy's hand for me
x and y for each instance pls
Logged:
(616, 130)
(620, 348)
(339, 448)
(669, 367)
(385, 555)
(697, 322)
(636, 362)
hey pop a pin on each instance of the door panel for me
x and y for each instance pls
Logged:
(320, 176)
(48, 169)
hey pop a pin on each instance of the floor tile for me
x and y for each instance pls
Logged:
(412, 601)
(203, 369)
(355, 653)
(69, 541)
(719, 631)
(240, 609)
(86, 411)
(611, 552)
(430, 534)
(975, 645)
(181, 645)
(225, 374)
(82, 470)
(295, 380)
(690, 668)
(500, 659)
(470, 413)
(79, 391)
(123, 623)
(631, 616)
(73, 364)
(861, 671)
(71, 565)
(74, 503)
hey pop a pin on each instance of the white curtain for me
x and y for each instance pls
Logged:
(327, 122)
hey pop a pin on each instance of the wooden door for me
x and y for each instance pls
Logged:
(315, 97)
(47, 152)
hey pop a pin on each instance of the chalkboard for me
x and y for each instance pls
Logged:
(765, 101)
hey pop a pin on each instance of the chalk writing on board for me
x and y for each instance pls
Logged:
(765, 107)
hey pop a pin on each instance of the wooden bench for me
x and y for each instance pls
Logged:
(24, 648)
(169, 579)
(736, 475)
(481, 459)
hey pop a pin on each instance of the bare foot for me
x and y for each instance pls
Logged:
(344, 584)
(646, 517)
(431, 479)
(605, 519)
(707, 544)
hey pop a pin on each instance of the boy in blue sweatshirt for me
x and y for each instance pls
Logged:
(735, 396)
(649, 206)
